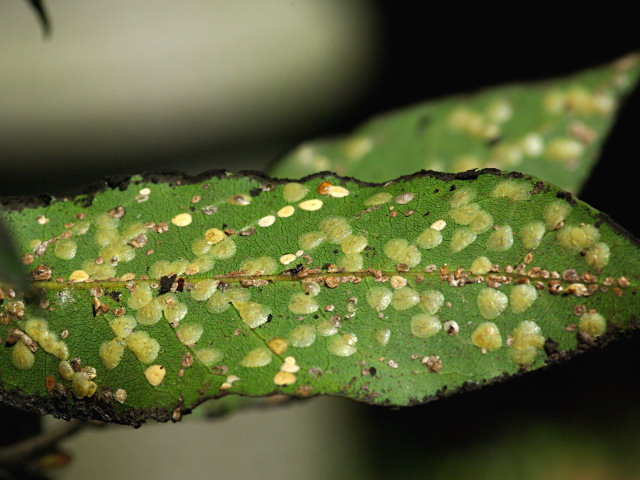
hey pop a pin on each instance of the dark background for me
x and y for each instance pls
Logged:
(595, 394)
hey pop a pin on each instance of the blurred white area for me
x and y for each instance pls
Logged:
(120, 79)
(309, 440)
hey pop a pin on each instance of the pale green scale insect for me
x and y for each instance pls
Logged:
(238, 294)
(202, 264)
(258, 357)
(123, 326)
(382, 336)
(262, 265)
(302, 304)
(378, 199)
(522, 297)
(399, 250)
(526, 341)
(352, 262)
(491, 303)
(140, 296)
(379, 298)
(21, 357)
(302, 336)
(99, 272)
(209, 356)
(531, 234)
(501, 239)
(555, 213)
(252, 314)
(481, 265)
(151, 313)
(342, 345)
(487, 336)
(175, 312)
(353, 244)
(200, 246)
(217, 303)
(224, 250)
(143, 346)
(464, 214)
(431, 301)
(511, 189)
(105, 237)
(461, 239)
(597, 257)
(106, 221)
(325, 329)
(133, 230)
(204, 289)
(111, 353)
(462, 196)
(189, 334)
(335, 228)
(65, 249)
(404, 298)
(482, 222)
(576, 238)
(159, 269)
(592, 323)
(311, 287)
(293, 191)
(38, 330)
(118, 252)
(430, 238)
(310, 240)
(424, 325)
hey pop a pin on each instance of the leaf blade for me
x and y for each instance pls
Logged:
(359, 333)
(552, 129)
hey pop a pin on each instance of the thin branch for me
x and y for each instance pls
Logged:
(41, 13)
(46, 441)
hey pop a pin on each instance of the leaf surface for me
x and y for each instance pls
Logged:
(164, 292)
(552, 129)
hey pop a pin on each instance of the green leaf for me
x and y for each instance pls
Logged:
(175, 290)
(552, 129)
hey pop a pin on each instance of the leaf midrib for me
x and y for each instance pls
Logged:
(276, 278)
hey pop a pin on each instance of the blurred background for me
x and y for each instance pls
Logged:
(125, 87)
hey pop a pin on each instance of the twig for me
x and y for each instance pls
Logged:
(21, 452)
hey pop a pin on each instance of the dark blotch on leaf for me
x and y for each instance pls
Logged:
(550, 347)
(537, 188)
(422, 123)
(295, 270)
(115, 295)
(166, 283)
(566, 196)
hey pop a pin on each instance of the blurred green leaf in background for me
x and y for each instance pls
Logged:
(553, 129)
